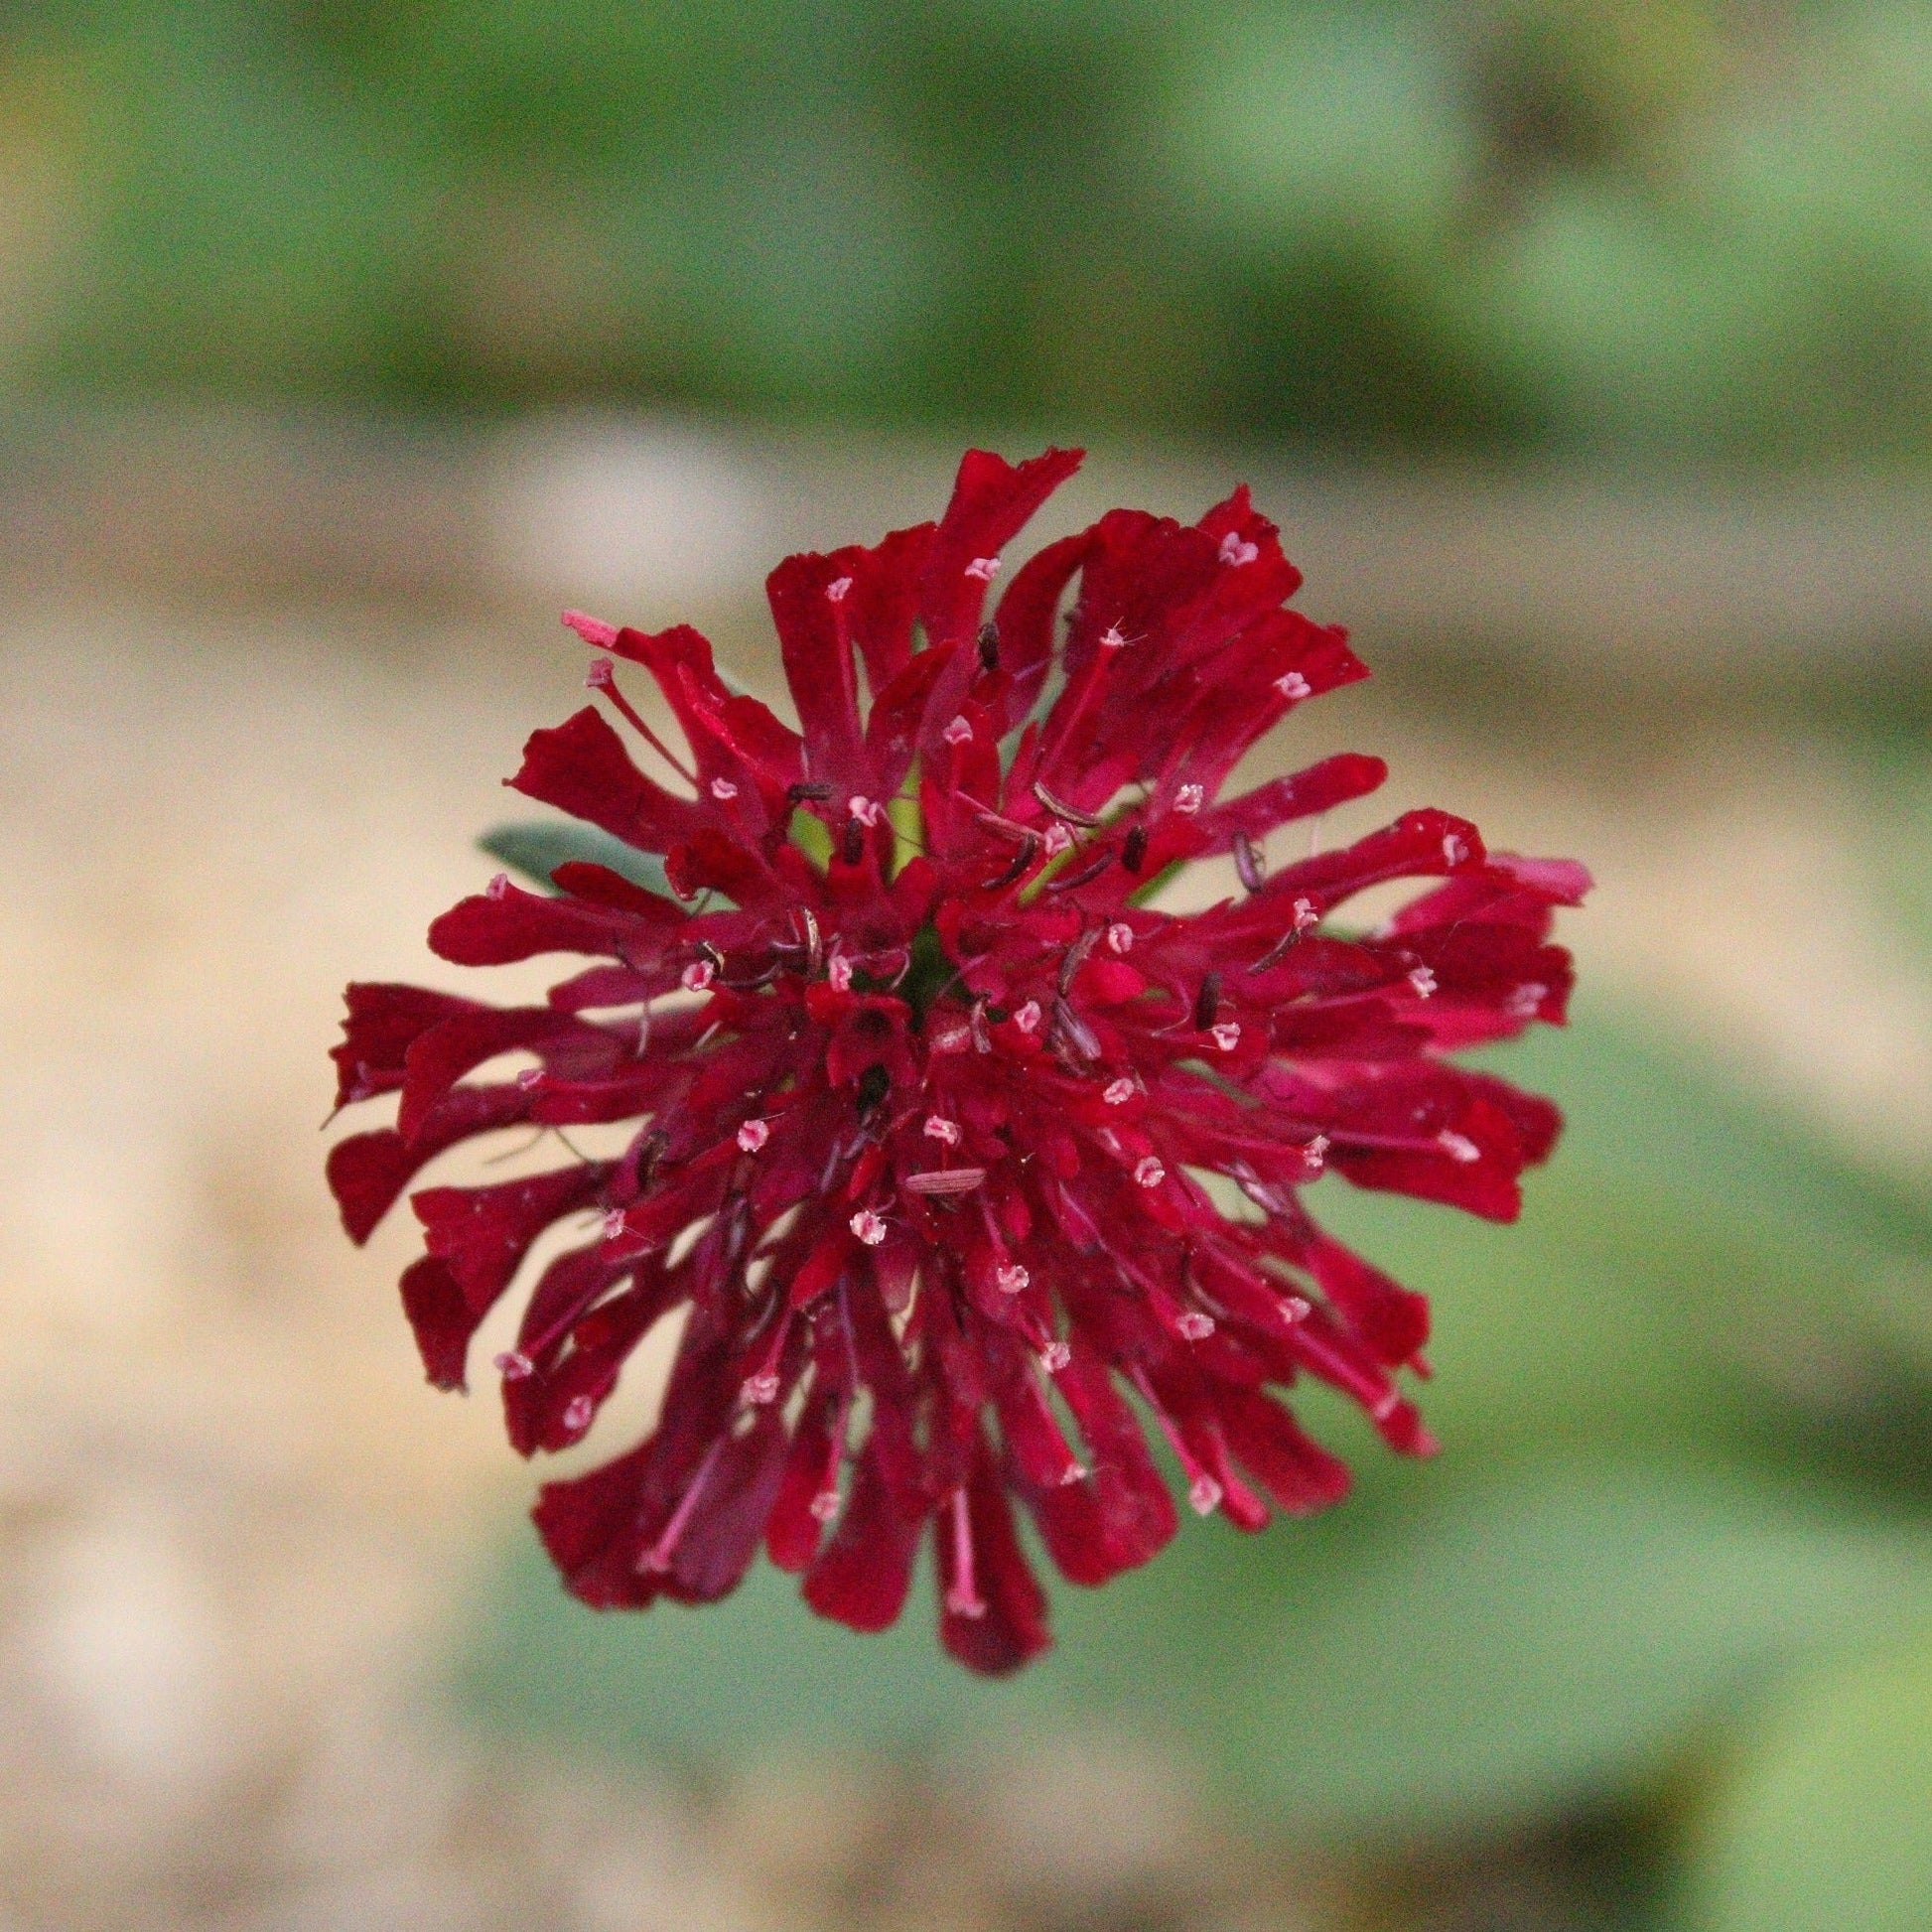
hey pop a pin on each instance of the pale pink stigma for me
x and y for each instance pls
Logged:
(984, 568)
(959, 732)
(514, 1366)
(939, 1128)
(838, 590)
(1055, 840)
(757, 1390)
(1204, 1495)
(753, 1136)
(1149, 1172)
(722, 790)
(614, 1224)
(825, 1505)
(1120, 1092)
(1454, 850)
(1120, 937)
(1235, 549)
(1459, 1146)
(838, 969)
(1295, 1308)
(697, 976)
(868, 1227)
(1424, 981)
(1013, 1278)
(577, 1412)
(955, 1040)
(1055, 1356)
(1028, 1017)
(868, 811)
(1294, 687)
(1527, 1001)
(1194, 1325)
(530, 1077)
(1188, 799)
(1111, 639)
(498, 888)
(1306, 915)
(1227, 1035)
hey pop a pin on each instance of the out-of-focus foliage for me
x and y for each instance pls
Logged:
(1687, 1458)
(1642, 225)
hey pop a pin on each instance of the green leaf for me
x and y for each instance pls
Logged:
(1826, 1823)
(538, 847)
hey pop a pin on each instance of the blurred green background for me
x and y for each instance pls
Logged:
(1652, 1646)
(1629, 227)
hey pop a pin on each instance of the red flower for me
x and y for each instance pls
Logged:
(928, 1100)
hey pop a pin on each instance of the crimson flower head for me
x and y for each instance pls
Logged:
(965, 1173)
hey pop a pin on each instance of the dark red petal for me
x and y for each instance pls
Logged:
(506, 924)
(482, 1234)
(815, 641)
(1320, 789)
(367, 1172)
(383, 1023)
(442, 1321)
(1027, 617)
(862, 1574)
(1012, 1624)
(793, 1530)
(722, 1537)
(1298, 1473)
(441, 1056)
(991, 501)
(1125, 1514)
(1389, 1319)
(593, 1527)
(582, 768)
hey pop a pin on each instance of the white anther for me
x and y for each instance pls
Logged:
(868, 811)
(614, 1224)
(1294, 687)
(838, 969)
(1454, 850)
(1111, 639)
(838, 590)
(1459, 1146)
(1527, 1001)
(939, 1128)
(1120, 1092)
(1120, 937)
(514, 1366)
(753, 1136)
(1028, 1017)
(1306, 915)
(757, 1390)
(1237, 550)
(1196, 1327)
(1227, 1035)
(1149, 1172)
(1055, 1356)
(498, 888)
(984, 568)
(1012, 1279)
(868, 1227)
(697, 976)
(825, 1505)
(955, 1040)
(722, 790)
(1204, 1495)
(1424, 981)
(1055, 840)
(577, 1412)
(959, 732)
(1188, 799)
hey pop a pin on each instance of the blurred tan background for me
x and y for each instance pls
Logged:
(1584, 357)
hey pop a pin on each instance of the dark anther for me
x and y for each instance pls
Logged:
(1021, 862)
(1076, 956)
(1276, 951)
(1086, 876)
(1207, 1002)
(813, 793)
(1061, 809)
(852, 842)
(1070, 1028)
(1135, 850)
(875, 1083)
(989, 642)
(1247, 862)
(711, 953)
